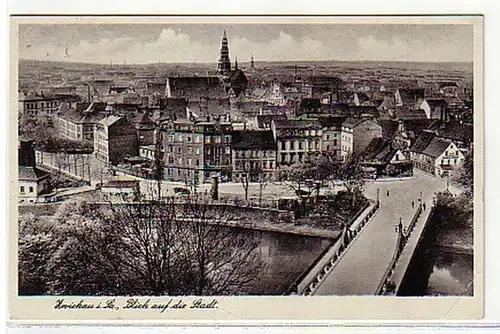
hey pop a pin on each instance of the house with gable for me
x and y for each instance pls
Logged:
(436, 155)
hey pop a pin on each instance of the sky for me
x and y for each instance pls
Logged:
(181, 43)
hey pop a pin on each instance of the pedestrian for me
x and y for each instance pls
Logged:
(387, 193)
(424, 206)
(412, 204)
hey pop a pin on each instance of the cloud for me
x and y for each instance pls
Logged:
(170, 45)
(399, 49)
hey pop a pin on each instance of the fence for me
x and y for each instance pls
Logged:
(387, 286)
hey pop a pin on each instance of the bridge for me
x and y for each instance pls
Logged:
(372, 258)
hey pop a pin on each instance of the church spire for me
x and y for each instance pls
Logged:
(224, 66)
(235, 63)
(252, 63)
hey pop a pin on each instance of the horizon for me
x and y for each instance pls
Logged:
(245, 62)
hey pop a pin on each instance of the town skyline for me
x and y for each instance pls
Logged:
(198, 43)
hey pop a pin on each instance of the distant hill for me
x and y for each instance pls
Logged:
(429, 66)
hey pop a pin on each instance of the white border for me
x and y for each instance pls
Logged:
(492, 23)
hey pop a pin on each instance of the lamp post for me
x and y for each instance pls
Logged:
(378, 195)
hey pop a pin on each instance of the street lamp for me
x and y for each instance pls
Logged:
(378, 195)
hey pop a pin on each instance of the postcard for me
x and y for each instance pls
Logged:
(246, 169)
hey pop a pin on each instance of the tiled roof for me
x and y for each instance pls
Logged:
(422, 141)
(436, 102)
(454, 131)
(310, 103)
(109, 120)
(196, 88)
(410, 114)
(389, 127)
(436, 147)
(246, 140)
(296, 124)
(156, 88)
(265, 120)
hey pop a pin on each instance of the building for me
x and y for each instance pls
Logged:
(296, 140)
(224, 65)
(78, 123)
(115, 138)
(197, 151)
(384, 159)
(435, 155)
(146, 129)
(309, 106)
(435, 109)
(120, 191)
(409, 97)
(332, 133)
(195, 88)
(147, 152)
(33, 183)
(254, 155)
(42, 106)
(356, 135)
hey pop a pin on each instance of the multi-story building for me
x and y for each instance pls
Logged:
(332, 133)
(197, 151)
(78, 123)
(41, 105)
(254, 155)
(115, 138)
(435, 155)
(296, 140)
(356, 135)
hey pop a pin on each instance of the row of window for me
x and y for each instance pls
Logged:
(23, 190)
(299, 145)
(34, 105)
(253, 154)
(198, 138)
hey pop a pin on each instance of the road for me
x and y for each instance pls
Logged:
(361, 269)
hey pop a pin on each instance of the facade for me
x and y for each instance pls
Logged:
(254, 155)
(44, 107)
(435, 155)
(147, 151)
(114, 139)
(331, 142)
(356, 135)
(296, 140)
(32, 183)
(197, 151)
(78, 123)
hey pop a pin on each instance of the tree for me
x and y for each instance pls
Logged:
(350, 172)
(148, 248)
(251, 171)
(464, 175)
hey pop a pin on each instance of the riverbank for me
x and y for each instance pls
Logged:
(455, 241)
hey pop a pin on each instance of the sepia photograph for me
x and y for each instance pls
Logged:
(225, 158)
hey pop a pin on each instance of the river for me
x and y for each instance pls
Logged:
(438, 271)
(285, 257)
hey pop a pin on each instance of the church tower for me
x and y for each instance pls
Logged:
(224, 67)
(252, 64)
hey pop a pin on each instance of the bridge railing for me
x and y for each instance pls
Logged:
(308, 281)
(387, 286)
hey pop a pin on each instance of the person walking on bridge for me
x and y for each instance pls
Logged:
(412, 204)
(387, 192)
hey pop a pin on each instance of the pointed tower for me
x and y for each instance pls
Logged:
(252, 64)
(224, 67)
(235, 63)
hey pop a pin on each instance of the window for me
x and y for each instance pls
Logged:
(179, 150)
(22, 189)
(197, 138)
(197, 150)
(228, 150)
(170, 149)
(300, 145)
(31, 189)
(283, 146)
(335, 142)
(189, 162)
(313, 133)
(207, 140)
(197, 162)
